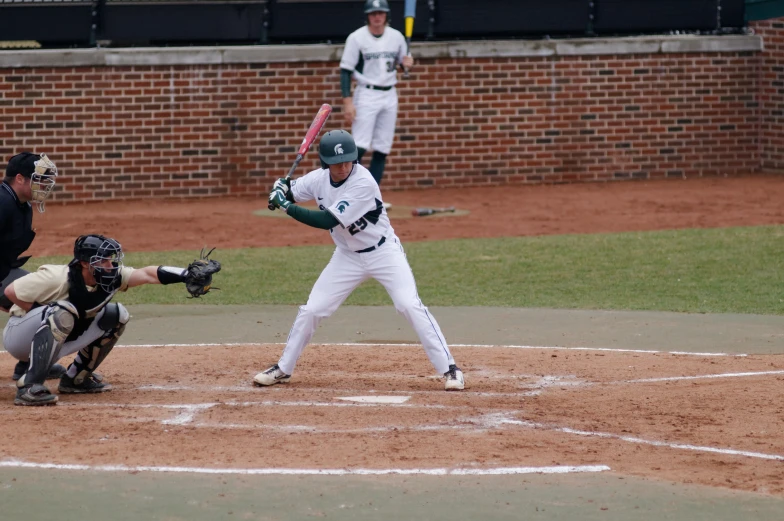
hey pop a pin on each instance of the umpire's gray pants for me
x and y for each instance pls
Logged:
(18, 335)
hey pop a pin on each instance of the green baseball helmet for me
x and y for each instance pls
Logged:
(372, 6)
(337, 146)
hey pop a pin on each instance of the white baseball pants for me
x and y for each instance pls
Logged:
(347, 270)
(374, 124)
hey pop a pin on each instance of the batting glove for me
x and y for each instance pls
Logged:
(278, 199)
(282, 184)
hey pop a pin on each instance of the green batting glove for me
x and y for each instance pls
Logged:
(278, 199)
(282, 184)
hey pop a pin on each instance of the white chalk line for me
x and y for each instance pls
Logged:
(495, 420)
(701, 377)
(501, 419)
(544, 382)
(488, 346)
(499, 471)
(485, 422)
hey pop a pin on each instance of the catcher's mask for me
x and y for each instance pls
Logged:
(97, 250)
(337, 146)
(41, 171)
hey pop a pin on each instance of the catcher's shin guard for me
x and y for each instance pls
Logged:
(58, 322)
(115, 318)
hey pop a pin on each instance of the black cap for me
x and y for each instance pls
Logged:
(23, 163)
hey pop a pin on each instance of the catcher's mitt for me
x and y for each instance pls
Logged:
(198, 279)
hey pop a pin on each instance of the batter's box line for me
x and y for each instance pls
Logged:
(486, 346)
(504, 419)
(498, 471)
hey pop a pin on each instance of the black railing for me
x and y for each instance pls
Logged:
(66, 23)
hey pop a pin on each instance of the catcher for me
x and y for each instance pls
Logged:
(60, 310)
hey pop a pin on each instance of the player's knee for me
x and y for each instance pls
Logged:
(406, 306)
(114, 315)
(61, 318)
(317, 310)
(113, 320)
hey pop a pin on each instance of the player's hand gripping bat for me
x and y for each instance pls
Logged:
(419, 212)
(409, 13)
(310, 137)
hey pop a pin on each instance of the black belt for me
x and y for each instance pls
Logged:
(376, 87)
(366, 250)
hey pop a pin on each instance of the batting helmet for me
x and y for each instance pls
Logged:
(95, 249)
(337, 146)
(373, 6)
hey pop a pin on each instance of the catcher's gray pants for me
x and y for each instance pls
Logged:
(18, 334)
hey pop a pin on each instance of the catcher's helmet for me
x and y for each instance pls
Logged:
(337, 146)
(372, 6)
(94, 249)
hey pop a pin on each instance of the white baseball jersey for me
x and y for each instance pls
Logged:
(355, 202)
(374, 59)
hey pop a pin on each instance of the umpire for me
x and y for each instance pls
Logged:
(29, 178)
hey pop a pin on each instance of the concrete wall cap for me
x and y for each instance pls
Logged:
(328, 53)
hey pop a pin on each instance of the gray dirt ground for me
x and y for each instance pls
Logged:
(605, 496)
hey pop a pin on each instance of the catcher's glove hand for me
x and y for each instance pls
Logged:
(198, 279)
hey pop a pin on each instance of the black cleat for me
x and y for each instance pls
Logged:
(36, 394)
(89, 385)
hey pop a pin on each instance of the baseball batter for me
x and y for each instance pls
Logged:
(351, 208)
(371, 56)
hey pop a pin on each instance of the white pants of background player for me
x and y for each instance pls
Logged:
(18, 335)
(374, 124)
(347, 270)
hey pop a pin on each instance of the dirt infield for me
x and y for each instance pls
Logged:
(707, 419)
(712, 420)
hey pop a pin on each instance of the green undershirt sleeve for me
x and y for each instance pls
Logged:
(345, 82)
(316, 218)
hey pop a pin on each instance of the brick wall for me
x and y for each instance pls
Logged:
(771, 94)
(203, 130)
(581, 118)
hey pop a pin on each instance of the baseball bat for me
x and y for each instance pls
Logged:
(310, 137)
(420, 212)
(409, 13)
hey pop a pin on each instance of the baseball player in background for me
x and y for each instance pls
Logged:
(371, 56)
(351, 208)
(64, 309)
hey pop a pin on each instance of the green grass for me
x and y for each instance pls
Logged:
(729, 270)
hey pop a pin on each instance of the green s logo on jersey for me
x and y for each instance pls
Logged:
(342, 205)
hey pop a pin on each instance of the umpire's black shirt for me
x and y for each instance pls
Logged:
(16, 229)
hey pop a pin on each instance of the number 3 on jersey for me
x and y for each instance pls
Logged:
(390, 66)
(358, 226)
